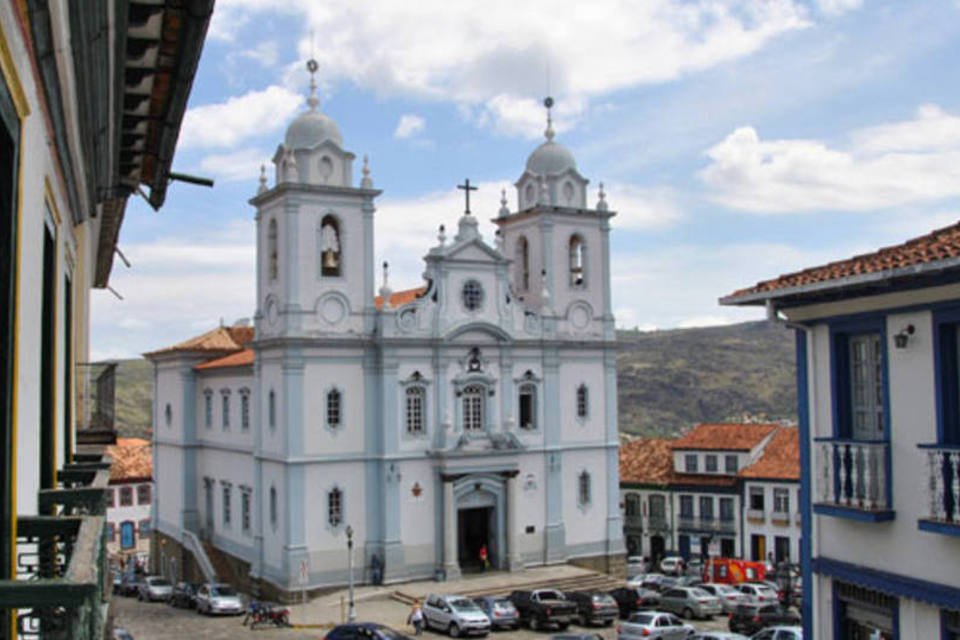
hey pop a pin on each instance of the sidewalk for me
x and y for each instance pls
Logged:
(374, 603)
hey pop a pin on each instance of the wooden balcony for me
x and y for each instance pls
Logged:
(62, 583)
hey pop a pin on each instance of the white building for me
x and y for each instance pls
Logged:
(877, 353)
(129, 501)
(478, 409)
(679, 495)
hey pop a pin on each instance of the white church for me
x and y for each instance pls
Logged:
(479, 409)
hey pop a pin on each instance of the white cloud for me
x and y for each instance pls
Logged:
(240, 165)
(265, 54)
(226, 124)
(838, 7)
(886, 166)
(409, 126)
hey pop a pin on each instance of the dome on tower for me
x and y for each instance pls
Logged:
(550, 158)
(312, 127)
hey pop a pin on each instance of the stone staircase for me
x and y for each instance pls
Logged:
(590, 581)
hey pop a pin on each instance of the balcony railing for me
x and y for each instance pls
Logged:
(658, 523)
(712, 525)
(62, 581)
(853, 476)
(756, 516)
(780, 517)
(943, 484)
(633, 521)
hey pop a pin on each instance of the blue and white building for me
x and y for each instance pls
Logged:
(477, 409)
(879, 408)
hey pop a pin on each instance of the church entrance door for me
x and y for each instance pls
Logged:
(474, 527)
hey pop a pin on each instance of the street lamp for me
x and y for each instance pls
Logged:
(351, 611)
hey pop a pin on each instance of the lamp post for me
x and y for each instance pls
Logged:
(351, 611)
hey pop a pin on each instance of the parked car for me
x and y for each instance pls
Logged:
(218, 598)
(153, 588)
(594, 607)
(690, 602)
(455, 614)
(119, 633)
(728, 595)
(654, 624)
(117, 577)
(184, 595)
(130, 584)
(576, 636)
(362, 631)
(542, 607)
(759, 592)
(636, 565)
(631, 599)
(658, 582)
(689, 580)
(718, 635)
(779, 633)
(751, 618)
(502, 613)
(671, 565)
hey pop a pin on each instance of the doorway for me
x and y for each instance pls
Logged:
(758, 548)
(474, 527)
(657, 548)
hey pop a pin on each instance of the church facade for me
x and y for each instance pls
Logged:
(476, 411)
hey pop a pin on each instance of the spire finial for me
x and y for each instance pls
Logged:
(366, 182)
(263, 179)
(312, 68)
(385, 290)
(602, 204)
(504, 210)
(442, 235)
(548, 103)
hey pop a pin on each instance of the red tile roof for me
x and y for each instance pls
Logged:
(398, 298)
(646, 461)
(780, 459)
(219, 339)
(242, 358)
(930, 248)
(724, 437)
(132, 460)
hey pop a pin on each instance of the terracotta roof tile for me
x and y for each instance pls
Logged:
(398, 298)
(132, 460)
(726, 437)
(780, 459)
(646, 461)
(932, 247)
(222, 339)
(242, 358)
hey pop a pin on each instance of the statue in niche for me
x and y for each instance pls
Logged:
(329, 248)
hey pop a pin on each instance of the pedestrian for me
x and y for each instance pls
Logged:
(416, 618)
(484, 559)
(376, 570)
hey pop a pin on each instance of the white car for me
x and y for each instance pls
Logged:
(671, 565)
(636, 565)
(220, 599)
(457, 615)
(654, 624)
(728, 595)
(154, 588)
(758, 593)
(779, 633)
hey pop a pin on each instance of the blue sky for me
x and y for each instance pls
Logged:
(736, 140)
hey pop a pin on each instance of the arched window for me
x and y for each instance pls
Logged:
(208, 408)
(632, 505)
(583, 398)
(416, 397)
(245, 409)
(528, 406)
(523, 264)
(334, 408)
(473, 405)
(273, 507)
(576, 261)
(335, 507)
(272, 409)
(330, 246)
(225, 401)
(273, 253)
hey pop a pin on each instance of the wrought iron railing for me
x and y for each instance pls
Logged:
(62, 579)
(658, 523)
(943, 484)
(853, 473)
(707, 524)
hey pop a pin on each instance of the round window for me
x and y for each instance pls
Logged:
(472, 295)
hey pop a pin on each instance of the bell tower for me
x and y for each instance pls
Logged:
(559, 248)
(314, 233)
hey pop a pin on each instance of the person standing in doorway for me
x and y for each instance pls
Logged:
(415, 618)
(484, 558)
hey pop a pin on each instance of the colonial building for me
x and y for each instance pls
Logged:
(129, 501)
(877, 353)
(92, 95)
(478, 409)
(710, 486)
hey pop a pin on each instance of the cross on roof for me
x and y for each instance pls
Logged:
(467, 189)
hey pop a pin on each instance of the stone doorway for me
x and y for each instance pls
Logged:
(474, 527)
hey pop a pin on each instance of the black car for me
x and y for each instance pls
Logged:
(750, 618)
(632, 599)
(594, 607)
(184, 595)
(130, 584)
(364, 631)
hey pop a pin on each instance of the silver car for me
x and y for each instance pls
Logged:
(728, 595)
(219, 598)
(154, 588)
(654, 624)
(718, 635)
(690, 602)
(779, 633)
(457, 615)
(759, 593)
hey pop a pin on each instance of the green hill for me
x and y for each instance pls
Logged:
(667, 380)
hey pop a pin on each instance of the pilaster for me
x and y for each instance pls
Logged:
(190, 516)
(291, 264)
(450, 564)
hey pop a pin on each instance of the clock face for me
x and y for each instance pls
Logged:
(472, 295)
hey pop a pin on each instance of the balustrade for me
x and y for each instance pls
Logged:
(853, 473)
(943, 483)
